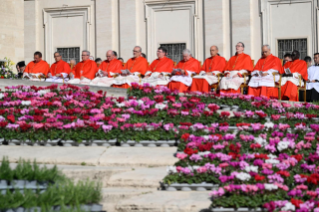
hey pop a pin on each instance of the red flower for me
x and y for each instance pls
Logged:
(296, 202)
(243, 124)
(170, 98)
(255, 146)
(261, 156)
(121, 99)
(205, 147)
(224, 124)
(313, 178)
(225, 114)
(37, 118)
(194, 99)
(234, 155)
(25, 127)
(95, 126)
(3, 124)
(2, 111)
(259, 177)
(261, 115)
(208, 113)
(310, 116)
(159, 98)
(213, 107)
(220, 136)
(283, 173)
(297, 157)
(190, 151)
(185, 136)
(303, 124)
(11, 118)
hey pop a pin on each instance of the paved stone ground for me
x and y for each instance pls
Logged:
(116, 92)
(130, 175)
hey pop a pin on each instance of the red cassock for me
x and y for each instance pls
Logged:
(114, 66)
(216, 63)
(290, 90)
(37, 68)
(85, 69)
(59, 68)
(191, 65)
(265, 64)
(139, 65)
(236, 63)
(161, 65)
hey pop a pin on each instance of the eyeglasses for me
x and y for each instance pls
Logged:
(265, 52)
(239, 46)
(57, 56)
(84, 55)
(135, 51)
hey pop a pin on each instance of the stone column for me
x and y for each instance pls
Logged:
(12, 30)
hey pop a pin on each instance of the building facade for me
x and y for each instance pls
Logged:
(69, 26)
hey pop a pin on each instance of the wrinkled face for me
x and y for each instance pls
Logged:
(37, 58)
(160, 53)
(85, 56)
(265, 51)
(137, 52)
(57, 57)
(316, 59)
(186, 57)
(109, 55)
(213, 51)
(239, 48)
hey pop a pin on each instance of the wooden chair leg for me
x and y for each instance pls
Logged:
(279, 93)
(305, 95)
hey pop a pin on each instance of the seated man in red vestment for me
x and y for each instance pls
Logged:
(236, 67)
(84, 71)
(36, 70)
(208, 75)
(181, 78)
(159, 71)
(292, 71)
(262, 82)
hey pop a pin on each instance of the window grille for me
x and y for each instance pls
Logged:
(175, 51)
(288, 45)
(70, 53)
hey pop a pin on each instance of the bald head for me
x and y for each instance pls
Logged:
(213, 51)
(110, 55)
(265, 51)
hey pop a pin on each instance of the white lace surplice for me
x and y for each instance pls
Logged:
(267, 81)
(211, 79)
(232, 83)
(155, 79)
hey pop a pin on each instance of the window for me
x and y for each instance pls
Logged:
(70, 53)
(175, 50)
(288, 45)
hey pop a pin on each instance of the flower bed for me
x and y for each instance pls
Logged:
(262, 155)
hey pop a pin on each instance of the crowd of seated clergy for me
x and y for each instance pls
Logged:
(263, 79)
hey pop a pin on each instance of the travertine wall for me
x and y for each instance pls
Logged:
(12, 29)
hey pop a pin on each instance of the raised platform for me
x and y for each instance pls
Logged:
(116, 92)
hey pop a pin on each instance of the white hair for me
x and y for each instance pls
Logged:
(266, 45)
(86, 51)
(187, 51)
(139, 48)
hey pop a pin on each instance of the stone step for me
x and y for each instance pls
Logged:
(93, 156)
(132, 200)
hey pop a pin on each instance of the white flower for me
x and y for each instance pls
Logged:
(160, 106)
(140, 102)
(270, 187)
(120, 104)
(1, 95)
(243, 176)
(269, 125)
(288, 207)
(251, 168)
(272, 161)
(26, 102)
(271, 156)
(261, 141)
(171, 169)
(282, 145)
